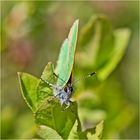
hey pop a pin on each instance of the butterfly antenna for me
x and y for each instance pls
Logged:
(87, 76)
(59, 78)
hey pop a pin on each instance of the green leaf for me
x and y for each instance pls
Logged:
(98, 132)
(66, 56)
(120, 122)
(91, 115)
(43, 89)
(48, 133)
(51, 114)
(73, 134)
(28, 85)
(48, 73)
(103, 47)
(96, 38)
(77, 133)
(91, 133)
(121, 41)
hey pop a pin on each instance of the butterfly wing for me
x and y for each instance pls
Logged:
(66, 58)
(70, 79)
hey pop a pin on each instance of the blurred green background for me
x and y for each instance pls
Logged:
(32, 34)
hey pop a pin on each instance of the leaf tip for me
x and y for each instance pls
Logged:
(19, 73)
(49, 63)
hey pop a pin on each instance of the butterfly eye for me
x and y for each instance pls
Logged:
(65, 89)
(71, 89)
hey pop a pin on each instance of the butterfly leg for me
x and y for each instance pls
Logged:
(67, 104)
(48, 83)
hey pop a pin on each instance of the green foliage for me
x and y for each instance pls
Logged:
(51, 133)
(38, 94)
(52, 115)
(121, 40)
(43, 90)
(46, 108)
(104, 50)
(98, 132)
(103, 47)
(28, 84)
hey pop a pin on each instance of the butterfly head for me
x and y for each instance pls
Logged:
(68, 88)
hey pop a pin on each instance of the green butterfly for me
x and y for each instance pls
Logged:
(64, 87)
